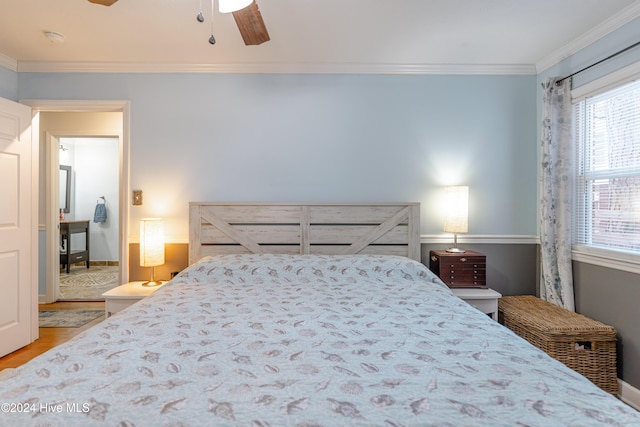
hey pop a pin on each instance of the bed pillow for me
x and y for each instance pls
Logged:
(274, 268)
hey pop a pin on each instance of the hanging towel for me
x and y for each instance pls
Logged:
(100, 215)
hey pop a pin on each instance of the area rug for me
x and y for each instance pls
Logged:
(88, 284)
(67, 318)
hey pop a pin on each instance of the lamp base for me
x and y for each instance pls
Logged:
(152, 283)
(456, 250)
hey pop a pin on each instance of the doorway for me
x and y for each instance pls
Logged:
(76, 119)
(88, 207)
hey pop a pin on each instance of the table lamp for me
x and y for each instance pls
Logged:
(151, 246)
(456, 216)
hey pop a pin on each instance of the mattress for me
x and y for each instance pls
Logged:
(278, 340)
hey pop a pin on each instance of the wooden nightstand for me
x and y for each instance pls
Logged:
(460, 270)
(485, 300)
(123, 296)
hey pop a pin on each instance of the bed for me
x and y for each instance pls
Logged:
(329, 331)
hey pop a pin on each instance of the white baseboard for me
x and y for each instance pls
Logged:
(629, 394)
(42, 299)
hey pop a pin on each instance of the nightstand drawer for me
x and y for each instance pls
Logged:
(466, 282)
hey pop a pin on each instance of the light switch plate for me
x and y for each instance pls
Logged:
(137, 197)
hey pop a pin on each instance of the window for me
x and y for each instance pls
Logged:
(607, 134)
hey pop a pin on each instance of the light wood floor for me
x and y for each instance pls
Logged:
(51, 337)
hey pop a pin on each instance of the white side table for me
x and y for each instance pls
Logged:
(123, 296)
(485, 300)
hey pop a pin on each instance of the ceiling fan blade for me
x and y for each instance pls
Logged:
(251, 25)
(103, 2)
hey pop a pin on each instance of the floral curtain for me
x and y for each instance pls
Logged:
(556, 282)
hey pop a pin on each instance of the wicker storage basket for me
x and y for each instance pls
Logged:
(585, 345)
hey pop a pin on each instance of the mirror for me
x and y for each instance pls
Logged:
(65, 188)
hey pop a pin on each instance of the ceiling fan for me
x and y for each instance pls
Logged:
(248, 19)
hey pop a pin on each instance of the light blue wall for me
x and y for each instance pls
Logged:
(8, 84)
(323, 138)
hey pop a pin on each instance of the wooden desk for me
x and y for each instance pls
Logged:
(70, 256)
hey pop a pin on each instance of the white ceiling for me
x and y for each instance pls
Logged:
(516, 36)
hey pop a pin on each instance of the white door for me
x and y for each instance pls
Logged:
(18, 228)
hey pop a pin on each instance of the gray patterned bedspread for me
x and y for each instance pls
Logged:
(274, 340)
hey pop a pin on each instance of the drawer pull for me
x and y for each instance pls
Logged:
(463, 260)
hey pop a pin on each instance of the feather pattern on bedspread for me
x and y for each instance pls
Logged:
(277, 340)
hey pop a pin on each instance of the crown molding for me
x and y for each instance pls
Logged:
(274, 68)
(625, 16)
(8, 62)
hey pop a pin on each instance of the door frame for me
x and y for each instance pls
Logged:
(51, 170)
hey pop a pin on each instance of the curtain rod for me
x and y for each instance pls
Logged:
(599, 62)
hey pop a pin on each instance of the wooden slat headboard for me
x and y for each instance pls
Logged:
(304, 228)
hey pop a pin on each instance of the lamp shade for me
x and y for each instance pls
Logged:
(151, 242)
(228, 6)
(456, 216)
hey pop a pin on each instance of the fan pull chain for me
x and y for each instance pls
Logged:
(212, 39)
(200, 16)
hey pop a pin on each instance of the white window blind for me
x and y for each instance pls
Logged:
(607, 134)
